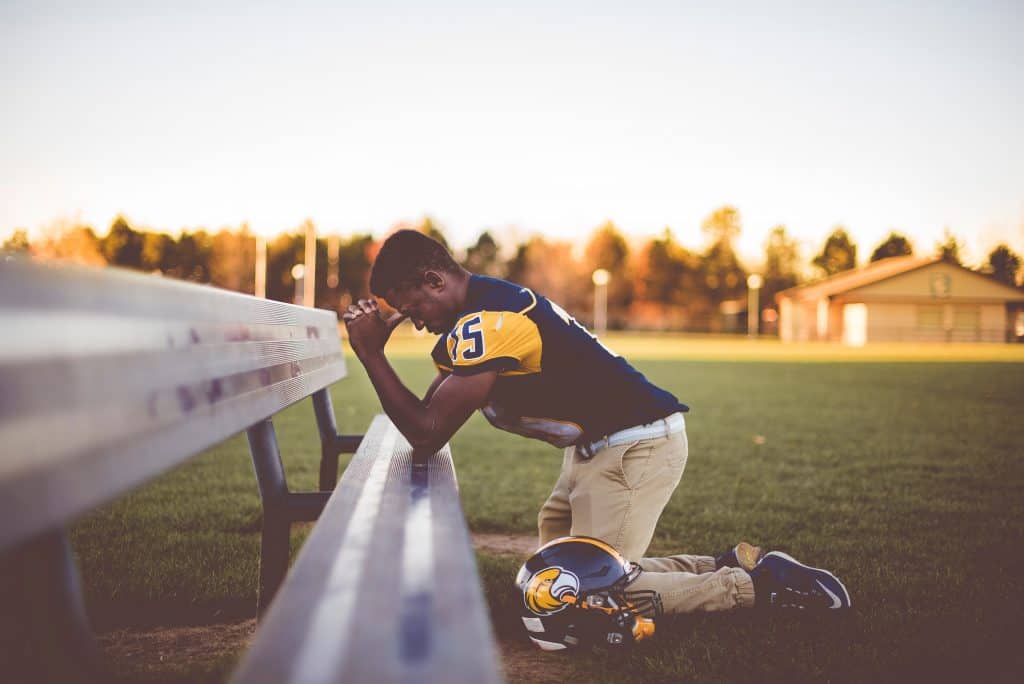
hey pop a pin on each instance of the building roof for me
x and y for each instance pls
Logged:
(851, 280)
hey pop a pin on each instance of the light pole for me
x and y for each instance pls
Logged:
(333, 254)
(754, 282)
(260, 289)
(601, 278)
(299, 276)
(309, 273)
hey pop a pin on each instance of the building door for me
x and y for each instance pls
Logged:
(855, 325)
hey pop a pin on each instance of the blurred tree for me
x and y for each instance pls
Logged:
(67, 241)
(668, 288)
(839, 253)
(18, 242)
(430, 228)
(483, 256)
(723, 224)
(158, 252)
(1004, 264)
(661, 269)
(550, 269)
(781, 264)
(950, 248)
(122, 245)
(608, 249)
(724, 279)
(283, 252)
(233, 260)
(192, 257)
(894, 245)
(354, 264)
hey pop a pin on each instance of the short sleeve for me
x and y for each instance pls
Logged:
(501, 341)
(439, 355)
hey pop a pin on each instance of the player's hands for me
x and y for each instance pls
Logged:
(368, 331)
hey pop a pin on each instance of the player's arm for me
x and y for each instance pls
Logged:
(438, 379)
(430, 423)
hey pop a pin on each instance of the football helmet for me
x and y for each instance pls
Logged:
(574, 594)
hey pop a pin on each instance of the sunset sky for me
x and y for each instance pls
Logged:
(551, 117)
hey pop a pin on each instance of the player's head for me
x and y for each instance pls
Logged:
(416, 275)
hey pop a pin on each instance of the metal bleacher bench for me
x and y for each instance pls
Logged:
(108, 378)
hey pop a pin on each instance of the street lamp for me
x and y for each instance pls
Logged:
(601, 278)
(298, 275)
(754, 282)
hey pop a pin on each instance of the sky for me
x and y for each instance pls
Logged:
(547, 117)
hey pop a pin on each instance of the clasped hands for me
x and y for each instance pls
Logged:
(368, 331)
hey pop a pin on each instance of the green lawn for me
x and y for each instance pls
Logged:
(902, 472)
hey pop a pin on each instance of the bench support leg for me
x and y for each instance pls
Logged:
(266, 459)
(53, 640)
(325, 423)
(331, 443)
(281, 508)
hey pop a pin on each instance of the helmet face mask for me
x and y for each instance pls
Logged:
(574, 593)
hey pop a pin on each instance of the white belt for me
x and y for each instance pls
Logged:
(659, 428)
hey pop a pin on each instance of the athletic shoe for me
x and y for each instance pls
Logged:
(743, 555)
(780, 581)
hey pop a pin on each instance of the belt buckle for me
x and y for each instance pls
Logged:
(587, 449)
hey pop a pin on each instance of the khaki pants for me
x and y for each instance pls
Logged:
(618, 496)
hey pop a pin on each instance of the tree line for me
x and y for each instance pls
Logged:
(657, 284)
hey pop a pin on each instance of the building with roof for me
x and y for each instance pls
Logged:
(902, 299)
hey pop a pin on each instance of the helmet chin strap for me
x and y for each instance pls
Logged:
(641, 627)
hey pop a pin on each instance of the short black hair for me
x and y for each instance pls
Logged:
(403, 259)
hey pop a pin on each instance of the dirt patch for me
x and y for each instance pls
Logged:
(155, 649)
(524, 663)
(159, 649)
(518, 545)
(176, 645)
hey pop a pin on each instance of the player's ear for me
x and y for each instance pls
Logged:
(434, 280)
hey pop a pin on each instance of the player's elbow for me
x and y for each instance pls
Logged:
(425, 438)
(426, 442)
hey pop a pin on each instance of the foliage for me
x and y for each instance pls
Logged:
(609, 250)
(68, 242)
(1004, 264)
(656, 284)
(839, 253)
(430, 228)
(483, 257)
(894, 245)
(123, 245)
(950, 248)
(723, 277)
(233, 260)
(549, 267)
(781, 263)
(18, 242)
(723, 224)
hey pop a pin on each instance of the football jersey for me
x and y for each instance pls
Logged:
(556, 381)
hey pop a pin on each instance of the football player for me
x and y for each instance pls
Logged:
(532, 369)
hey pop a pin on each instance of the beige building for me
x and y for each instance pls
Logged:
(902, 299)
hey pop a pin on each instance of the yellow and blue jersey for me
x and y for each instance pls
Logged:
(556, 381)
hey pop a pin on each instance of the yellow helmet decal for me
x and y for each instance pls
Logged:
(546, 591)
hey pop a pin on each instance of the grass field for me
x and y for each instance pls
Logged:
(900, 468)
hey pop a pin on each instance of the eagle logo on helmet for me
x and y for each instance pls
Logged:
(547, 590)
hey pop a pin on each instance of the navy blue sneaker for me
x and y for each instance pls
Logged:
(780, 581)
